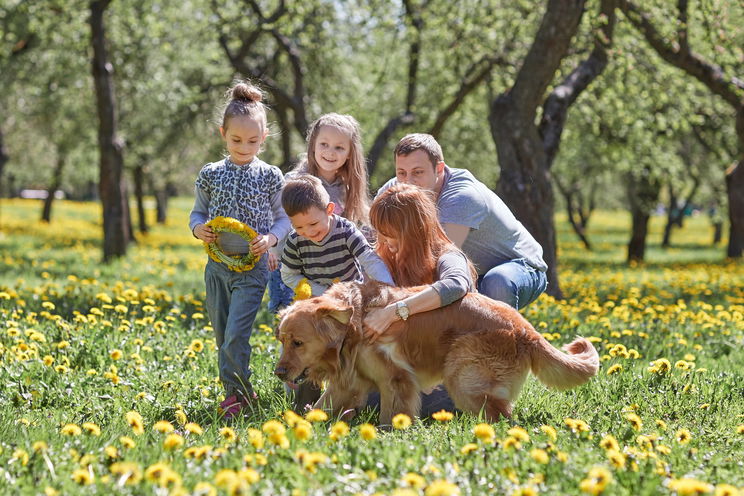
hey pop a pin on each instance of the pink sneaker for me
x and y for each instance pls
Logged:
(232, 406)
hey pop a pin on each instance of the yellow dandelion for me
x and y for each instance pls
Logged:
(303, 291)
(134, 419)
(512, 443)
(111, 452)
(660, 366)
(39, 447)
(615, 369)
(273, 426)
(401, 421)
(609, 442)
(549, 431)
(468, 448)
(163, 426)
(616, 458)
(442, 488)
(291, 418)
(485, 433)
(256, 438)
(303, 430)
(414, 480)
(540, 456)
(740, 429)
(204, 489)
(726, 490)
(127, 442)
(83, 476)
(519, 433)
(339, 430)
(683, 436)
(173, 441)
(71, 430)
(596, 481)
(442, 416)
(687, 486)
(116, 354)
(194, 428)
(316, 416)
(92, 429)
(181, 417)
(635, 421)
(525, 491)
(228, 434)
(661, 424)
(367, 432)
(128, 473)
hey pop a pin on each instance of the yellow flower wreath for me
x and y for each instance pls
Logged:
(238, 263)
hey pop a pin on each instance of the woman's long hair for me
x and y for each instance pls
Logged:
(408, 214)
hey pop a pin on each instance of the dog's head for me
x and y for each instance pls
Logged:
(319, 337)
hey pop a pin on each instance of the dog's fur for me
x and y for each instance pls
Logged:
(480, 349)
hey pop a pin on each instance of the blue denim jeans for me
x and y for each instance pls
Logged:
(280, 295)
(233, 300)
(514, 282)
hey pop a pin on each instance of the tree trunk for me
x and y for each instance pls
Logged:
(673, 215)
(111, 183)
(139, 194)
(3, 158)
(46, 212)
(643, 194)
(735, 190)
(717, 232)
(637, 244)
(161, 204)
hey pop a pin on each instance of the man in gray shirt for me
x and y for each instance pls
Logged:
(507, 258)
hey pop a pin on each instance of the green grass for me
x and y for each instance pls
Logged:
(686, 305)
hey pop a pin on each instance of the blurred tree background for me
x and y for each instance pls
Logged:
(558, 105)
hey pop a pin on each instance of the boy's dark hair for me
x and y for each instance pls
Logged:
(303, 192)
(420, 141)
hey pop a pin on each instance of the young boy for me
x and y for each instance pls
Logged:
(323, 247)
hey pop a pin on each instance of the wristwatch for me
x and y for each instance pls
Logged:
(402, 310)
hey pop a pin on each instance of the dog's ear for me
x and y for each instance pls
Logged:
(337, 311)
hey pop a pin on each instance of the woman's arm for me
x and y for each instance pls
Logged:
(379, 320)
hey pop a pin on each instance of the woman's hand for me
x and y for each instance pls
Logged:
(205, 233)
(378, 321)
(262, 243)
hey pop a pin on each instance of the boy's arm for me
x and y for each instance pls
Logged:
(281, 226)
(372, 264)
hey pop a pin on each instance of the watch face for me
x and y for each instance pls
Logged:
(402, 310)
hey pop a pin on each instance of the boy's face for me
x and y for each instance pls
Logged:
(313, 224)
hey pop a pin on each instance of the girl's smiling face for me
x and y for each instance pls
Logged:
(332, 148)
(243, 137)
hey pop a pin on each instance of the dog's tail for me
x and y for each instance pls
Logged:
(560, 370)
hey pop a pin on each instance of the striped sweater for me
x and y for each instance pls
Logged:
(343, 255)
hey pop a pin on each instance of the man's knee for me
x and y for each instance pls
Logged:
(499, 286)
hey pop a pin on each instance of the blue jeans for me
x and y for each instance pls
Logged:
(280, 295)
(233, 300)
(514, 282)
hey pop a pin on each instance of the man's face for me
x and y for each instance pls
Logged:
(416, 168)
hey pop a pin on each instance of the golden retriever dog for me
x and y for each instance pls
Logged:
(480, 349)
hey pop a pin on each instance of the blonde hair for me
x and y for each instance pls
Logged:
(244, 98)
(408, 214)
(353, 174)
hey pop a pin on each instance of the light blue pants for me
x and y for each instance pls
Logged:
(514, 282)
(280, 295)
(233, 300)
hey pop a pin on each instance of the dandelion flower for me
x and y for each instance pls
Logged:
(442, 416)
(660, 366)
(442, 488)
(609, 442)
(273, 426)
(255, 437)
(615, 369)
(71, 430)
(687, 486)
(401, 421)
(134, 419)
(412, 479)
(683, 436)
(726, 490)
(367, 432)
(83, 476)
(291, 418)
(339, 430)
(549, 431)
(116, 354)
(303, 430)
(485, 433)
(127, 442)
(194, 428)
(129, 473)
(173, 441)
(163, 426)
(228, 434)
(616, 458)
(92, 429)
(635, 421)
(181, 417)
(596, 481)
(316, 416)
(540, 456)
(519, 433)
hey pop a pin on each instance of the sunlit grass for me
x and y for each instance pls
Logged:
(108, 375)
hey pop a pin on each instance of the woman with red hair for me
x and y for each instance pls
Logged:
(413, 245)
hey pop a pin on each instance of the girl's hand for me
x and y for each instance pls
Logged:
(378, 321)
(273, 262)
(205, 233)
(261, 244)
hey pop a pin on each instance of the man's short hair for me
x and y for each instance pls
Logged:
(420, 141)
(303, 192)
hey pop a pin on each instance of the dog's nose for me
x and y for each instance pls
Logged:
(280, 372)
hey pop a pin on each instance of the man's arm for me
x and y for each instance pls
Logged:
(457, 233)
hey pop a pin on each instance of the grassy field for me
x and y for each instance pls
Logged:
(108, 377)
